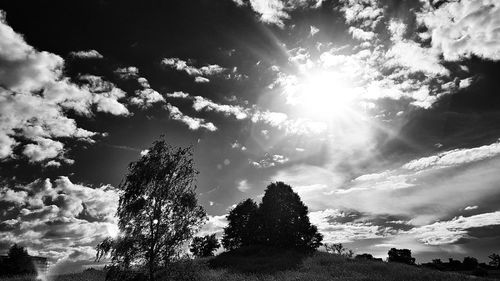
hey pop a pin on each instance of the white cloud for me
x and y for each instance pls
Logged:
(455, 157)
(192, 122)
(470, 208)
(313, 30)
(200, 103)
(128, 72)
(35, 97)
(54, 219)
(448, 232)
(88, 54)
(200, 79)
(43, 149)
(243, 186)
(463, 28)
(178, 94)
(270, 160)
(411, 55)
(360, 34)
(181, 65)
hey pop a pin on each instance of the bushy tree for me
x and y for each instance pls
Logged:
(401, 255)
(242, 227)
(338, 249)
(204, 246)
(18, 262)
(280, 221)
(158, 209)
(470, 263)
(284, 222)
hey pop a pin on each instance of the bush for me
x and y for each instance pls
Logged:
(258, 259)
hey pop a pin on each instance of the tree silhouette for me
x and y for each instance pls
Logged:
(401, 255)
(283, 220)
(470, 263)
(18, 262)
(204, 246)
(494, 260)
(158, 209)
(242, 227)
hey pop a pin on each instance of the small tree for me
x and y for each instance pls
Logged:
(494, 260)
(401, 255)
(18, 262)
(242, 226)
(470, 263)
(158, 209)
(338, 249)
(204, 246)
(284, 220)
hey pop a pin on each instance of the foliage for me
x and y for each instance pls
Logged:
(400, 255)
(242, 227)
(18, 262)
(158, 209)
(338, 249)
(204, 246)
(283, 220)
(364, 256)
(469, 263)
(280, 221)
(494, 260)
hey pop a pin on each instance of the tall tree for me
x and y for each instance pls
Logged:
(242, 225)
(158, 208)
(284, 220)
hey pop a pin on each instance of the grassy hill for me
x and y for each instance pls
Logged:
(285, 266)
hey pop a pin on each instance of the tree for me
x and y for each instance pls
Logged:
(242, 226)
(470, 263)
(18, 262)
(338, 249)
(494, 260)
(204, 246)
(158, 209)
(401, 255)
(284, 221)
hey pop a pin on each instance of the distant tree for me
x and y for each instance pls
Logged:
(18, 262)
(338, 249)
(284, 222)
(242, 226)
(495, 260)
(437, 261)
(454, 264)
(401, 255)
(364, 256)
(204, 246)
(469, 263)
(158, 209)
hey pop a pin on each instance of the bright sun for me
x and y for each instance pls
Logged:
(324, 95)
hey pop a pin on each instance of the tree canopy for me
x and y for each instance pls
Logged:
(242, 227)
(280, 221)
(204, 246)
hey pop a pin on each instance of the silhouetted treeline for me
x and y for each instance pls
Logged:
(17, 262)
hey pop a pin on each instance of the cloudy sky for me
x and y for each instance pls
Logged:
(383, 115)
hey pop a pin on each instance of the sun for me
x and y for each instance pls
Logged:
(324, 95)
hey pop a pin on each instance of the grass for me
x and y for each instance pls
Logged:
(284, 266)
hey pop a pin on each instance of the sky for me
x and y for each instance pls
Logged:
(383, 115)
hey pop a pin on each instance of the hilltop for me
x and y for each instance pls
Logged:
(285, 266)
